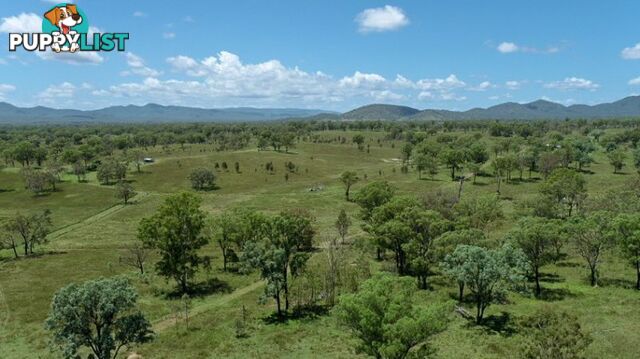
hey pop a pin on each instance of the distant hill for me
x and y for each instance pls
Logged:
(379, 112)
(149, 113)
(541, 109)
(537, 110)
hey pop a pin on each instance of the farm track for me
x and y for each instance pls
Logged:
(208, 305)
(93, 219)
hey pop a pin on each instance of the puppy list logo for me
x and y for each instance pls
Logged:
(65, 29)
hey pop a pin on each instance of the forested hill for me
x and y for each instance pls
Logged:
(148, 113)
(541, 109)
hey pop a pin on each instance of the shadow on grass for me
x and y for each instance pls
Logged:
(303, 313)
(4, 190)
(568, 264)
(555, 294)
(551, 278)
(201, 289)
(501, 324)
(617, 282)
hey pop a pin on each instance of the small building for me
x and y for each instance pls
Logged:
(148, 160)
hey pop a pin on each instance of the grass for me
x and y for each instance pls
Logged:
(92, 229)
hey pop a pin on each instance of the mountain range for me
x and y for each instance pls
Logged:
(541, 109)
(537, 110)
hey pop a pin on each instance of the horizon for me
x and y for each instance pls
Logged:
(233, 58)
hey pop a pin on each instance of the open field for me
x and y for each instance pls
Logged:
(90, 228)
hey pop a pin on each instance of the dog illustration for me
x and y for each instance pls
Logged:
(65, 18)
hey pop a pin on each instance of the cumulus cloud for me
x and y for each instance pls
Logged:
(511, 47)
(512, 85)
(573, 83)
(483, 86)
(169, 35)
(507, 47)
(138, 67)
(631, 53)
(25, 22)
(139, 14)
(635, 82)
(382, 19)
(4, 89)
(360, 79)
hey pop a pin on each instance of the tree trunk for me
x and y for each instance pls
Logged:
(638, 275)
(346, 193)
(478, 312)
(378, 253)
(537, 277)
(423, 281)
(15, 252)
(277, 296)
(594, 279)
(460, 291)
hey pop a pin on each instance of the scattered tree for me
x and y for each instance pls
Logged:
(100, 315)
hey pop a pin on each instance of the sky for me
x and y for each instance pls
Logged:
(332, 54)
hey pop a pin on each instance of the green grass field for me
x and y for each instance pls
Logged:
(91, 228)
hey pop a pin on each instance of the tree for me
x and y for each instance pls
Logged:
(284, 251)
(387, 323)
(617, 159)
(552, 334)
(226, 229)
(342, 224)
(175, 230)
(591, 236)
(478, 212)
(80, 170)
(135, 255)
(359, 140)
(373, 195)
(348, 179)
(36, 180)
(426, 226)
(534, 236)
(406, 151)
(125, 191)
(202, 179)
(449, 241)
(100, 315)
(368, 198)
(30, 229)
(453, 159)
(548, 162)
(485, 272)
(426, 163)
(627, 227)
(566, 187)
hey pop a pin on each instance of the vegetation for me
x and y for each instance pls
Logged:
(546, 267)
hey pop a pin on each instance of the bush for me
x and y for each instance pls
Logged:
(202, 179)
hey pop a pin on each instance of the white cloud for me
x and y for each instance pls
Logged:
(169, 35)
(507, 47)
(511, 47)
(386, 95)
(631, 53)
(450, 83)
(573, 83)
(634, 82)
(53, 93)
(25, 22)
(483, 86)
(138, 67)
(139, 14)
(4, 89)
(512, 85)
(360, 79)
(188, 19)
(381, 19)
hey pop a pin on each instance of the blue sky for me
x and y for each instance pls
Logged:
(333, 54)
